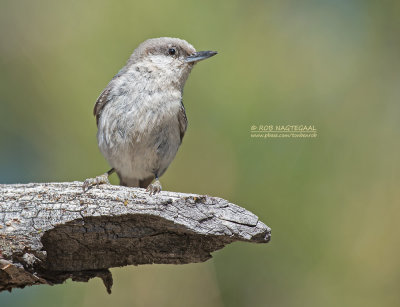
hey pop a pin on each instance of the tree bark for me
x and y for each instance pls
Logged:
(50, 232)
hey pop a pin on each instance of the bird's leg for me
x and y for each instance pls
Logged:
(101, 179)
(155, 187)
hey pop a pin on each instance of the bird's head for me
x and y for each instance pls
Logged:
(168, 57)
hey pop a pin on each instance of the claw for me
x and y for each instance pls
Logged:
(154, 188)
(90, 182)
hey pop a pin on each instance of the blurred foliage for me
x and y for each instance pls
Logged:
(332, 202)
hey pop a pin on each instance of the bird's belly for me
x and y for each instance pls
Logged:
(142, 149)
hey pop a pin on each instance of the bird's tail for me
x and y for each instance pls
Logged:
(134, 182)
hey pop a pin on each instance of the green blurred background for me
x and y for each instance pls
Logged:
(332, 202)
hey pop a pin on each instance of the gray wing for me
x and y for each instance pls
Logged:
(105, 96)
(100, 103)
(182, 121)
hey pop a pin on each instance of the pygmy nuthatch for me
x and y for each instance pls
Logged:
(140, 116)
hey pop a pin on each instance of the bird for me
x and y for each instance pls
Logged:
(140, 115)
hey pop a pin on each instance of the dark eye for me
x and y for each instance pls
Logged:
(171, 51)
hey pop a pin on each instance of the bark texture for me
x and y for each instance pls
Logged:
(50, 232)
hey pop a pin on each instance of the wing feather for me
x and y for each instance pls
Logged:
(104, 97)
(182, 119)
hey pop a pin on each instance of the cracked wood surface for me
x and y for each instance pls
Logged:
(50, 232)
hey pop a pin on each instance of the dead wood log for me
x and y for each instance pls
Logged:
(50, 232)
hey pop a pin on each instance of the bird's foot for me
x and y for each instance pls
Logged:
(154, 188)
(90, 182)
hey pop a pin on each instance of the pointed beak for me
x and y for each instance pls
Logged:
(199, 56)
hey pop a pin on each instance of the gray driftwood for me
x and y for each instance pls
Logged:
(50, 232)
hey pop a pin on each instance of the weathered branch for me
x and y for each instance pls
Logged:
(50, 232)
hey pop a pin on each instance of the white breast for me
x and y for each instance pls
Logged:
(138, 131)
